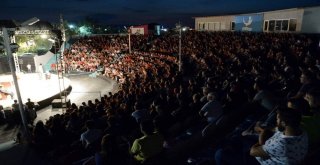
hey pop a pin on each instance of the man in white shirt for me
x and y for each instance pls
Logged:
(289, 144)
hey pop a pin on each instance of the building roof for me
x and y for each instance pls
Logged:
(262, 12)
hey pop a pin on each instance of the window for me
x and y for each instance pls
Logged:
(266, 25)
(278, 25)
(284, 26)
(272, 24)
(203, 26)
(233, 26)
(292, 25)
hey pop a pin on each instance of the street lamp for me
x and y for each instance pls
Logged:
(8, 45)
(178, 26)
(129, 37)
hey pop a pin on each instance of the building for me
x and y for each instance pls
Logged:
(304, 20)
(147, 29)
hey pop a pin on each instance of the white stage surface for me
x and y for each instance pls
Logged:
(31, 86)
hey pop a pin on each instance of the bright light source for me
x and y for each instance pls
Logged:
(44, 36)
(105, 29)
(164, 29)
(85, 30)
(51, 40)
(71, 26)
(30, 21)
(184, 29)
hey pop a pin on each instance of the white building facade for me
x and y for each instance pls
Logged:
(304, 20)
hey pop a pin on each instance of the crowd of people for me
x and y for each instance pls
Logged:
(271, 79)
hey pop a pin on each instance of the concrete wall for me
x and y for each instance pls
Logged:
(311, 20)
(214, 23)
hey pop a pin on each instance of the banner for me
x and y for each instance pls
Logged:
(249, 23)
(30, 32)
(139, 30)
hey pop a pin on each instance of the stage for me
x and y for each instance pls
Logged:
(32, 85)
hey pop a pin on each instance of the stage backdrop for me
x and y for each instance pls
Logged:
(249, 23)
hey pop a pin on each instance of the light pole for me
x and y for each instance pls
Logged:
(178, 26)
(8, 45)
(129, 35)
(54, 45)
(6, 42)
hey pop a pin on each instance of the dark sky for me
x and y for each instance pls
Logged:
(166, 12)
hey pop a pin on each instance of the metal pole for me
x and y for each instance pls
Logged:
(57, 66)
(179, 47)
(62, 56)
(129, 34)
(6, 42)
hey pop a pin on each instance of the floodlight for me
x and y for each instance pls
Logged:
(51, 40)
(30, 21)
(44, 36)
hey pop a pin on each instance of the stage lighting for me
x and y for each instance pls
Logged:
(71, 26)
(44, 36)
(51, 40)
(30, 21)
(14, 47)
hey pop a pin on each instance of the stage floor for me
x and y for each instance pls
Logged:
(31, 86)
(84, 88)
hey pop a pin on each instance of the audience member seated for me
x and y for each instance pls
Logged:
(91, 135)
(149, 145)
(212, 110)
(288, 145)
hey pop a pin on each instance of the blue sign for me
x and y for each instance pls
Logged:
(249, 23)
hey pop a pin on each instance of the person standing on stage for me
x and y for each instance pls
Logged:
(29, 68)
(41, 71)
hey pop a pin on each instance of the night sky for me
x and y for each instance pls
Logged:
(130, 12)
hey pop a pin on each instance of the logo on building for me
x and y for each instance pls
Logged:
(247, 24)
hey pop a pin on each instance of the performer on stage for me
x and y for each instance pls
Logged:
(41, 71)
(29, 68)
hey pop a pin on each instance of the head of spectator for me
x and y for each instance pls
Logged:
(288, 120)
(147, 127)
(196, 98)
(259, 85)
(90, 124)
(313, 99)
(211, 96)
(299, 105)
(307, 77)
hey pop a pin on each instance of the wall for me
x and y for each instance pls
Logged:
(214, 23)
(311, 20)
